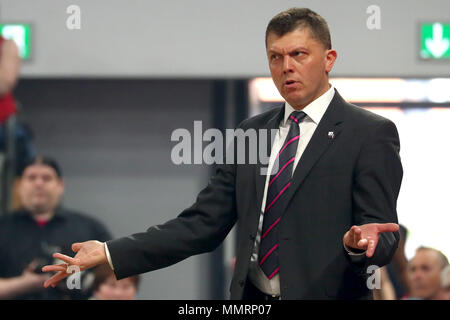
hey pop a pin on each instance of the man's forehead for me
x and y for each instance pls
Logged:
(39, 168)
(425, 257)
(291, 40)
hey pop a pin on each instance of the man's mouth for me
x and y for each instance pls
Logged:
(40, 195)
(290, 83)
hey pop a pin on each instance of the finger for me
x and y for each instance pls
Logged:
(76, 246)
(53, 281)
(388, 227)
(371, 247)
(58, 267)
(362, 243)
(57, 278)
(349, 237)
(352, 235)
(357, 234)
(65, 258)
(46, 276)
(48, 282)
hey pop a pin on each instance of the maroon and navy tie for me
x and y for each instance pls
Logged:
(280, 180)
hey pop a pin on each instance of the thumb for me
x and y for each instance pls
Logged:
(76, 246)
(388, 227)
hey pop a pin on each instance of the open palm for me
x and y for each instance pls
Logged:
(89, 254)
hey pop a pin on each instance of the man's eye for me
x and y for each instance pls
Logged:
(298, 53)
(274, 56)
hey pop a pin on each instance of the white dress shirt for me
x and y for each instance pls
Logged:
(314, 113)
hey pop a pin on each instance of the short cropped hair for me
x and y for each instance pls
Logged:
(43, 160)
(442, 258)
(296, 18)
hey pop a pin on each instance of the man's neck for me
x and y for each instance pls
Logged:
(323, 89)
(43, 216)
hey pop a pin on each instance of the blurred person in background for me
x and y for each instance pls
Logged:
(445, 284)
(425, 270)
(386, 290)
(394, 276)
(395, 282)
(24, 145)
(107, 287)
(397, 270)
(29, 236)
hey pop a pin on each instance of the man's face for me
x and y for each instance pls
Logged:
(40, 188)
(299, 65)
(113, 289)
(424, 270)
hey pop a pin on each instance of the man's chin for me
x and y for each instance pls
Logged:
(296, 103)
(38, 209)
(422, 294)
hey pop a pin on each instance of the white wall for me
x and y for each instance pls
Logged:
(211, 38)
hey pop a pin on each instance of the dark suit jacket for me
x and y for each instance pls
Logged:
(352, 179)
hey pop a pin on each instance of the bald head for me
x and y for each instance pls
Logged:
(425, 273)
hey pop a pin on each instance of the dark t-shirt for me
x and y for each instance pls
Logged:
(23, 240)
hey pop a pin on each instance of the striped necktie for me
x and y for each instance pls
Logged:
(280, 180)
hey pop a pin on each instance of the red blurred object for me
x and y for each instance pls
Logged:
(7, 101)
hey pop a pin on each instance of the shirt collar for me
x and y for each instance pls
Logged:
(59, 213)
(316, 109)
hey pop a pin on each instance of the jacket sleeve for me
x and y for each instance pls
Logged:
(198, 229)
(377, 179)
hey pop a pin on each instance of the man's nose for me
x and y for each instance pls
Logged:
(38, 182)
(287, 64)
(417, 275)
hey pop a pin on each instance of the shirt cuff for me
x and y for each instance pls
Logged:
(108, 256)
(352, 253)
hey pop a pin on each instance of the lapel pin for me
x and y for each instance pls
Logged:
(331, 135)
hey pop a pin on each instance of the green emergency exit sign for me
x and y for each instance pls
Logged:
(435, 40)
(20, 33)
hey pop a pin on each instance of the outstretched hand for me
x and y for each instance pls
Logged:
(365, 237)
(89, 254)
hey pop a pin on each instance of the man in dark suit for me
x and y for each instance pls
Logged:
(312, 227)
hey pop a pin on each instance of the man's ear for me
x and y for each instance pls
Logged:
(18, 184)
(62, 185)
(330, 57)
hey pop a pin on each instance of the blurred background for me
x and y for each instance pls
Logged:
(103, 84)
